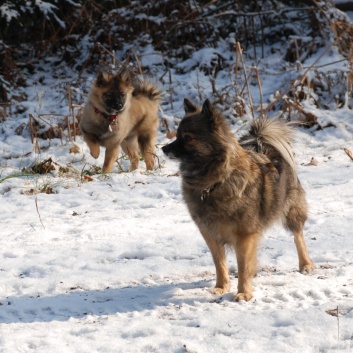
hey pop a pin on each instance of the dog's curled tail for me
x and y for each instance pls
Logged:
(149, 90)
(271, 136)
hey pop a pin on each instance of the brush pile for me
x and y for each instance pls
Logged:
(85, 34)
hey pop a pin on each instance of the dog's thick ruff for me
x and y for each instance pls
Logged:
(235, 190)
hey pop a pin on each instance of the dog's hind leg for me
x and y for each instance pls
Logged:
(219, 258)
(295, 220)
(305, 263)
(146, 143)
(246, 252)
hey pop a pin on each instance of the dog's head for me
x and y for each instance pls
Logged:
(111, 92)
(201, 137)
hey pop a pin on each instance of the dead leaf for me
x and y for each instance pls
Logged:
(30, 192)
(74, 149)
(43, 167)
(171, 134)
(313, 162)
(349, 153)
(332, 312)
(20, 129)
(88, 178)
(327, 267)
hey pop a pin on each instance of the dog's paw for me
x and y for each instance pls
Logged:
(243, 296)
(95, 154)
(132, 168)
(307, 267)
(219, 290)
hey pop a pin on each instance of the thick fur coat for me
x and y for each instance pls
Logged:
(235, 190)
(120, 113)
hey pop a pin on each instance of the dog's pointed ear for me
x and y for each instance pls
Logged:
(189, 106)
(101, 78)
(124, 75)
(207, 108)
(209, 114)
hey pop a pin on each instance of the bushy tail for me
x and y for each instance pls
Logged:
(149, 90)
(269, 136)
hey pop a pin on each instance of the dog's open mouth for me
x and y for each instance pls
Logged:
(169, 154)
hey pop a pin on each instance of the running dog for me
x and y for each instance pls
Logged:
(118, 113)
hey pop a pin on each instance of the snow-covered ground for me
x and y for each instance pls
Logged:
(115, 264)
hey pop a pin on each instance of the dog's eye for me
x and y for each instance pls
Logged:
(187, 138)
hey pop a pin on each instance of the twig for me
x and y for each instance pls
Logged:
(338, 325)
(349, 75)
(253, 35)
(5, 105)
(68, 127)
(47, 122)
(123, 64)
(140, 71)
(31, 130)
(260, 89)
(239, 49)
(253, 14)
(170, 89)
(40, 218)
(213, 83)
(198, 85)
(73, 116)
(158, 161)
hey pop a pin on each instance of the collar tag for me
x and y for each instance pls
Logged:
(205, 193)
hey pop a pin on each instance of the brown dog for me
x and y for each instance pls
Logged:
(119, 112)
(235, 190)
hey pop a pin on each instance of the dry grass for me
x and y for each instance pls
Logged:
(176, 37)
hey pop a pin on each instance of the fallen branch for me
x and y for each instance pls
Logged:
(310, 118)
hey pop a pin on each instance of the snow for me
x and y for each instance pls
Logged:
(117, 265)
(8, 12)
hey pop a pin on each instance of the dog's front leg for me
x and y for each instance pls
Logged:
(130, 147)
(246, 252)
(111, 155)
(92, 143)
(219, 258)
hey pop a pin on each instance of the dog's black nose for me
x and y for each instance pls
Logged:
(166, 150)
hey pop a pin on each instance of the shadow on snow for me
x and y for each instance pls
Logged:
(80, 303)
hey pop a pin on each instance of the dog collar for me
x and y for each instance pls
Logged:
(106, 116)
(205, 193)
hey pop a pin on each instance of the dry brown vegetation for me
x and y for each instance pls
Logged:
(89, 35)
